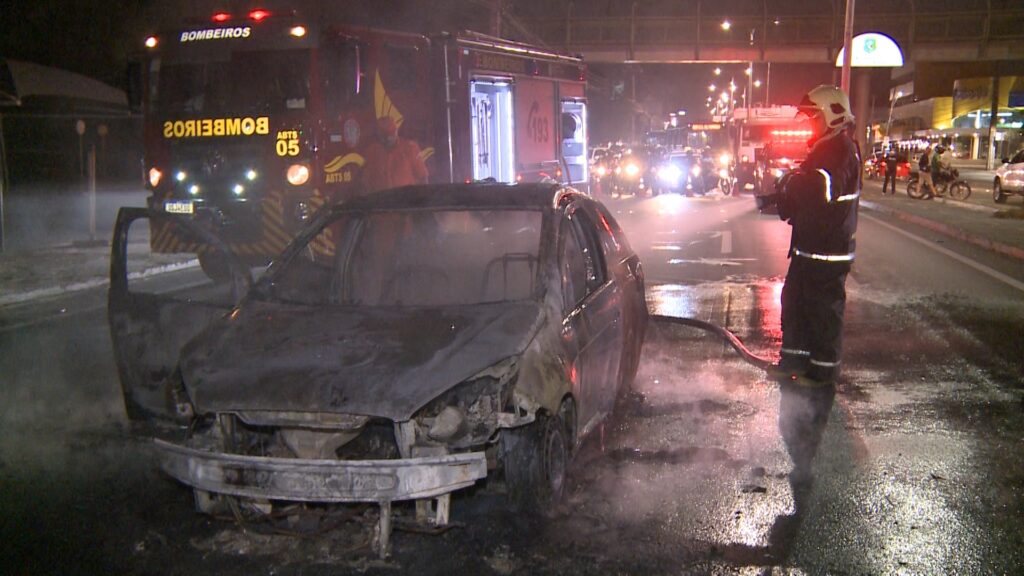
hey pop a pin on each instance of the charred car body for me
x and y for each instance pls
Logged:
(405, 345)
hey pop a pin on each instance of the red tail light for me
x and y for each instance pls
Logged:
(221, 17)
(259, 15)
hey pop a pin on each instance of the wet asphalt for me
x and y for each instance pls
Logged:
(911, 465)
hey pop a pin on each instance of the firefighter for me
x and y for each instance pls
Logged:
(392, 161)
(819, 200)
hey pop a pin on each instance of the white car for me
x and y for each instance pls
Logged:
(1009, 178)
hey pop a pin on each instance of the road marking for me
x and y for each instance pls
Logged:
(713, 261)
(959, 258)
(727, 242)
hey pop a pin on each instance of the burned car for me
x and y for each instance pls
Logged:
(405, 345)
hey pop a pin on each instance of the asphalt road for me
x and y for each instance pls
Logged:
(915, 470)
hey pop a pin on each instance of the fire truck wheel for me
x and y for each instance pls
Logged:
(215, 266)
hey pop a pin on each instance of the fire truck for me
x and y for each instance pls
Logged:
(768, 142)
(255, 120)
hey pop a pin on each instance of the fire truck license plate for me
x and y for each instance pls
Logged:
(179, 207)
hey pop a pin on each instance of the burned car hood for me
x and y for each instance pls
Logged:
(386, 362)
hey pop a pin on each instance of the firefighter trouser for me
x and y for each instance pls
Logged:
(813, 302)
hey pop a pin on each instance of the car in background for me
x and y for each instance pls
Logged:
(405, 345)
(681, 172)
(1009, 178)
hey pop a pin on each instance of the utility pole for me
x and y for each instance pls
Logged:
(496, 19)
(993, 119)
(847, 46)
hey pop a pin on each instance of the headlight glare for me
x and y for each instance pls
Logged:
(298, 174)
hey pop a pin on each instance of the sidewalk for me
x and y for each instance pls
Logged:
(1000, 229)
(51, 271)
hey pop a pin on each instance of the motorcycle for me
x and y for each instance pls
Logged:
(946, 180)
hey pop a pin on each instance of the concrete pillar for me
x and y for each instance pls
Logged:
(975, 146)
(861, 102)
(990, 162)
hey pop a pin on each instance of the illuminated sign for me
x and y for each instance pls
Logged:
(216, 34)
(873, 50)
(216, 127)
(705, 127)
(488, 61)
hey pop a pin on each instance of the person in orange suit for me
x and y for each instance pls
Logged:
(392, 161)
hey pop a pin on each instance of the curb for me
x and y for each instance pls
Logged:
(38, 293)
(953, 231)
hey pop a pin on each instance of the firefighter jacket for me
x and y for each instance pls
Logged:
(820, 201)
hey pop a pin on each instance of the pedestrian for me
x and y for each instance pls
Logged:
(924, 167)
(820, 201)
(392, 161)
(891, 161)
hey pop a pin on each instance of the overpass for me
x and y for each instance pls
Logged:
(978, 33)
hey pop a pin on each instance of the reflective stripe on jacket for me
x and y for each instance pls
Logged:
(821, 200)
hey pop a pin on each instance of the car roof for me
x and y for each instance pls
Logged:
(480, 195)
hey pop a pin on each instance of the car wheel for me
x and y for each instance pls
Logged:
(536, 462)
(997, 192)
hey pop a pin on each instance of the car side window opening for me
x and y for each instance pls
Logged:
(590, 244)
(573, 266)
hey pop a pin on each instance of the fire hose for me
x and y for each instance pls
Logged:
(724, 334)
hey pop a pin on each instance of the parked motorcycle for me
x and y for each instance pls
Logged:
(945, 181)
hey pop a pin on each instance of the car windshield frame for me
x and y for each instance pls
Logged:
(352, 233)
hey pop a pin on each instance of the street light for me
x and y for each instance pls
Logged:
(726, 25)
(888, 123)
(757, 83)
(711, 88)
(718, 71)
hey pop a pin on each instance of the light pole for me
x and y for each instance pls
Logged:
(888, 123)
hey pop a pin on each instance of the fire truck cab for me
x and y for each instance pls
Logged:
(255, 120)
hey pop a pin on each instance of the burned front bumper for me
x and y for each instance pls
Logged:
(321, 480)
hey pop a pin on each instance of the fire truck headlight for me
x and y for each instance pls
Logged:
(695, 170)
(154, 177)
(298, 174)
(632, 169)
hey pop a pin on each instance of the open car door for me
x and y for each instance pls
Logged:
(152, 316)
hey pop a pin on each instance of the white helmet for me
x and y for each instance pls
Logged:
(832, 103)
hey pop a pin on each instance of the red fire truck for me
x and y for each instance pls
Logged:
(255, 120)
(770, 141)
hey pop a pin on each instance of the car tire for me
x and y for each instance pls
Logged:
(997, 192)
(536, 462)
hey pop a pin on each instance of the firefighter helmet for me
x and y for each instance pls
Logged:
(832, 103)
